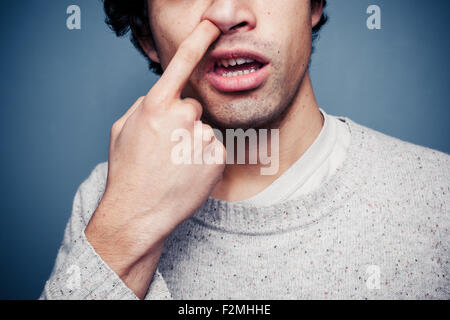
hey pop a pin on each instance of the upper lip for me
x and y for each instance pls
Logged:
(222, 54)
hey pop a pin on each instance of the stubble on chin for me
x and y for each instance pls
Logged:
(262, 109)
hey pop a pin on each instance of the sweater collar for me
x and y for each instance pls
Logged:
(243, 218)
(303, 169)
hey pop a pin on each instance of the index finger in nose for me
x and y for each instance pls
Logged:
(186, 59)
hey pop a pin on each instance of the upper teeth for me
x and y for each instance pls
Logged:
(233, 62)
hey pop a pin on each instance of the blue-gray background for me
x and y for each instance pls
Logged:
(61, 91)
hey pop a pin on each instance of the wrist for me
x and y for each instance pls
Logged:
(121, 243)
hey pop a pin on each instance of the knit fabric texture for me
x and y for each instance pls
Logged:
(377, 229)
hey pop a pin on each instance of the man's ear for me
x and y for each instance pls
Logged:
(148, 45)
(316, 12)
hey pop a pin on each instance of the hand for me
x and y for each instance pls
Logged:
(147, 195)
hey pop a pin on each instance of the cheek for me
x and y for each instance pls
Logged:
(289, 26)
(172, 21)
(170, 31)
(299, 47)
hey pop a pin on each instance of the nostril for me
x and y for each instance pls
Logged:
(240, 25)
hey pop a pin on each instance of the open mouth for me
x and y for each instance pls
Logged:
(236, 67)
(237, 71)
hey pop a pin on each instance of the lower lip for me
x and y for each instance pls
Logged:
(239, 83)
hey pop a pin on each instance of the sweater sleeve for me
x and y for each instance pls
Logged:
(79, 272)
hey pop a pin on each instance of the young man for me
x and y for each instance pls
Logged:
(350, 213)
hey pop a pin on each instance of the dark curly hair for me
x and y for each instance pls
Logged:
(123, 16)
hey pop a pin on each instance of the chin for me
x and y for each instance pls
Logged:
(245, 114)
(240, 120)
(258, 108)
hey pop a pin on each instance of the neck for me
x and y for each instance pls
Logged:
(298, 128)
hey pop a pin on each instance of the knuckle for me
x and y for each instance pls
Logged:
(186, 112)
(116, 126)
(195, 105)
(191, 109)
(150, 106)
(115, 129)
(139, 101)
(155, 125)
(148, 102)
(189, 114)
(193, 102)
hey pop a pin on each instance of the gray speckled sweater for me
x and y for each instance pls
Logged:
(378, 228)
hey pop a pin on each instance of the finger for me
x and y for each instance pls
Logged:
(196, 106)
(185, 60)
(185, 112)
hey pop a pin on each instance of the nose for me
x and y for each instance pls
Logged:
(231, 16)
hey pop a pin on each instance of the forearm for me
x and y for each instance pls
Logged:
(120, 244)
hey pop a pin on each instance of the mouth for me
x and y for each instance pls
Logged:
(237, 70)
